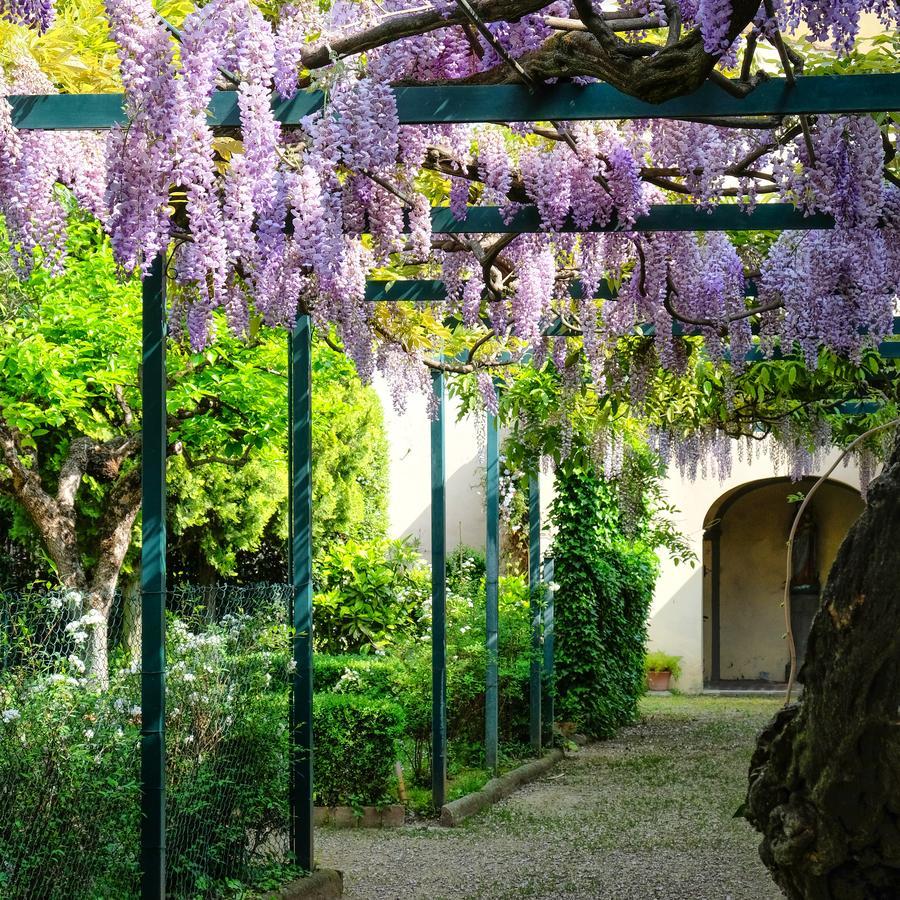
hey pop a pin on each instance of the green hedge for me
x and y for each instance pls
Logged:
(356, 745)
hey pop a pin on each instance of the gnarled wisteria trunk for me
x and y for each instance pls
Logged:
(825, 778)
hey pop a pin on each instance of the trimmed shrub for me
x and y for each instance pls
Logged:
(356, 744)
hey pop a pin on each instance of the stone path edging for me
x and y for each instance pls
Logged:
(372, 816)
(323, 884)
(497, 788)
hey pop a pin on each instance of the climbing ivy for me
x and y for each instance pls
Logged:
(602, 602)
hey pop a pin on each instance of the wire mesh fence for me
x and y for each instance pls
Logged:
(70, 722)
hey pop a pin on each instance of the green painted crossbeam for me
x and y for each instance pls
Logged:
(511, 103)
(428, 290)
(662, 217)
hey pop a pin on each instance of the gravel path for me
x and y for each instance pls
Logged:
(648, 815)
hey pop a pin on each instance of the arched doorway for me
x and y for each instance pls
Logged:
(745, 535)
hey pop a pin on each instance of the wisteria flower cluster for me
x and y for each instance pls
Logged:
(290, 219)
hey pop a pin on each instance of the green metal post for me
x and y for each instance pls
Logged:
(438, 599)
(492, 594)
(153, 586)
(534, 585)
(549, 710)
(301, 582)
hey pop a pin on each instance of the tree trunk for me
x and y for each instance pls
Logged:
(824, 784)
(97, 654)
(131, 617)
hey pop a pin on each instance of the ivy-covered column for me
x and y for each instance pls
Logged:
(535, 610)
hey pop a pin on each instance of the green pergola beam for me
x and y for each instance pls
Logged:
(426, 290)
(662, 217)
(509, 103)
(571, 102)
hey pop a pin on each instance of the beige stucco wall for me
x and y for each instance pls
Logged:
(409, 505)
(752, 550)
(677, 615)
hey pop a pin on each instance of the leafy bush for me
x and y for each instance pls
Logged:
(69, 756)
(371, 675)
(465, 571)
(404, 676)
(356, 745)
(657, 661)
(369, 595)
(227, 742)
(466, 665)
(69, 791)
(605, 590)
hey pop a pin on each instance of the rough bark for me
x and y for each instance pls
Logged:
(55, 518)
(122, 508)
(646, 71)
(824, 784)
(420, 21)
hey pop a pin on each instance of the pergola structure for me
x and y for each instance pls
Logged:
(416, 105)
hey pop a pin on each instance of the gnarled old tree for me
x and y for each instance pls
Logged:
(825, 778)
(70, 421)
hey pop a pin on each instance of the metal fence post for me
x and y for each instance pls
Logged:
(301, 781)
(438, 599)
(153, 584)
(492, 594)
(534, 585)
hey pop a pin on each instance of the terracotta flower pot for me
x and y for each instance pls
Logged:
(659, 681)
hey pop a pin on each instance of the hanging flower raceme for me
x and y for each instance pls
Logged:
(32, 166)
(37, 14)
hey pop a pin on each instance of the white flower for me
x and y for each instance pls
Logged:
(188, 739)
(553, 587)
(94, 617)
(80, 637)
(76, 663)
(134, 712)
(292, 666)
(88, 734)
(190, 676)
(56, 603)
(10, 715)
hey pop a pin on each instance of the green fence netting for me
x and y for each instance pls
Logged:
(70, 723)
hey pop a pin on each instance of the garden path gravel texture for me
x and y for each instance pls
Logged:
(647, 816)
